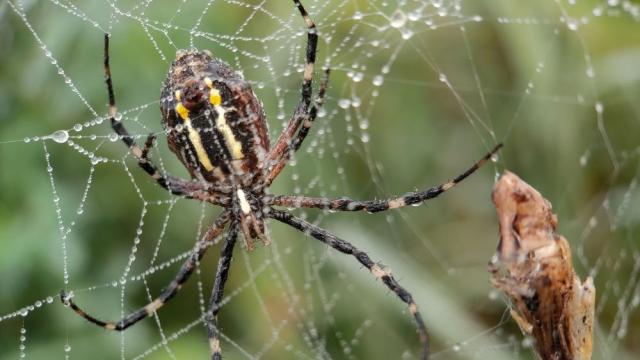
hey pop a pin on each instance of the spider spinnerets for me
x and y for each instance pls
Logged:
(217, 127)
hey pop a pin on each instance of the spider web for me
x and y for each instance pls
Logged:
(419, 90)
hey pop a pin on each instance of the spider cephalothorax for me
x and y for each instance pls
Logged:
(216, 126)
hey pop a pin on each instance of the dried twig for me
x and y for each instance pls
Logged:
(549, 302)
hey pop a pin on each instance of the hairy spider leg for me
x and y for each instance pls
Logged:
(173, 185)
(224, 264)
(172, 289)
(376, 270)
(283, 143)
(372, 206)
(304, 131)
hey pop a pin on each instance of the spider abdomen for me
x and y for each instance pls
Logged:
(214, 122)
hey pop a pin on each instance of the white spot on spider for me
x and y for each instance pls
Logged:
(244, 204)
(448, 186)
(378, 272)
(396, 203)
(152, 307)
(413, 308)
(215, 346)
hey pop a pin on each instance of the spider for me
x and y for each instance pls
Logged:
(216, 126)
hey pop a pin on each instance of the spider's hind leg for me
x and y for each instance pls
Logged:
(376, 270)
(167, 294)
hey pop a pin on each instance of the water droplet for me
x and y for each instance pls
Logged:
(599, 107)
(442, 77)
(378, 80)
(118, 116)
(60, 136)
(584, 159)
(67, 348)
(495, 157)
(113, 137)
(344, 103)
(590, 72)
(80, 211)
(357, 15)
(456, 347)
(398, 19)
(26, 140)
(406, 33)
(597, 11)
(572, 24)
(77, 127)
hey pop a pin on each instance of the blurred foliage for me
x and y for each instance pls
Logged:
(422, 130)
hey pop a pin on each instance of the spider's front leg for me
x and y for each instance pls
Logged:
(174, 185)
(376, 270)
(309, 119)
(372, 206)
(303, 112)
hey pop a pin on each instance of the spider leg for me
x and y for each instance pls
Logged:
(304, 131)
(313, 112)
(167, 294)
(346, 248)
(372, 206)
(224, 264)
(174, 185)
(285, 139)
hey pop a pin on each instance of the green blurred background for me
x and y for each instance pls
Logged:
(419, 91)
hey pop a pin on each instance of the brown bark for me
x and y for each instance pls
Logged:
(533, 267)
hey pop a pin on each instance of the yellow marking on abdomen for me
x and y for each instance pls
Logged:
(214, 94)
(214, 97)
(182, 111)
(194, 138)
(233, 145)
